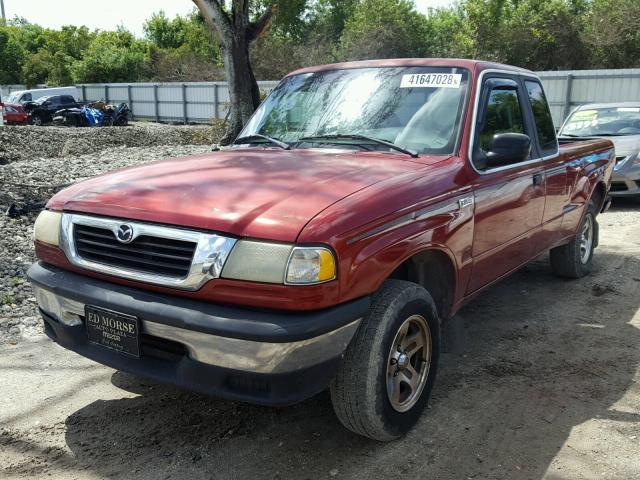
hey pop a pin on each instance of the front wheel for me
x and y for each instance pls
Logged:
(575, 259)
(390, 366)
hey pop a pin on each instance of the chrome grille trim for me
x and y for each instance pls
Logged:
(211, 251)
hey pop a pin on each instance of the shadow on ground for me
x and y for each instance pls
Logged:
(542, 356)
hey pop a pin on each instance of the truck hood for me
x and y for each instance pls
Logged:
(261, 193)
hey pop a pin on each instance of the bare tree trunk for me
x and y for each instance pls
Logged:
(236, 32)
(243, 88)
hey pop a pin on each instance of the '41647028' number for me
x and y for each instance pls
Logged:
(433, 80)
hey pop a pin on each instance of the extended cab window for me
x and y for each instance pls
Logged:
(502, 114)
(542, 116)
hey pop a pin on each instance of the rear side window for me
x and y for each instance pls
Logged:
(542, 116)
(26, 97)
(502, 115)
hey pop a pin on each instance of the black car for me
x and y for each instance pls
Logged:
(41, 111)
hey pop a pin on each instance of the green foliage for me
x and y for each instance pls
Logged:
(612, 34)
(10, 57)
(7, 299)
(181, 48)
(187, 34)
(383, 29)
(110, 57)
(535, 34)
(291, 18)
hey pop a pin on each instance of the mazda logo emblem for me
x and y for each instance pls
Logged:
(124, 234)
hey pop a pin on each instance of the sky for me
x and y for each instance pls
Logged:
(107, 15)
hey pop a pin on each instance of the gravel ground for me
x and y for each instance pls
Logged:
(28, 143)
(45, 160)
(545, 387)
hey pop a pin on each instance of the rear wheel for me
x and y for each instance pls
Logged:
(575, 259)
(390, 366)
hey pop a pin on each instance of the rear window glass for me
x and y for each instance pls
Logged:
(542, 116)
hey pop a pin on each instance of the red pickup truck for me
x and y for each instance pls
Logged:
(362, 205)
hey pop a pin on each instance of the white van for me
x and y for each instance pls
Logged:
(22, 96)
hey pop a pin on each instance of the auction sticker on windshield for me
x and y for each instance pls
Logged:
(431, 80)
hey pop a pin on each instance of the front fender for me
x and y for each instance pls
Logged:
(371, 256)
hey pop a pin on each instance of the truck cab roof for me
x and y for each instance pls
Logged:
(471, 65)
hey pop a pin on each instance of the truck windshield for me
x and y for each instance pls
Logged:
(615, 121)
(416, 108)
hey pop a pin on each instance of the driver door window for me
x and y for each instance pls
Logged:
(503, 114)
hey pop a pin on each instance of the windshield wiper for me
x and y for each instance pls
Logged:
(571, 135)
(360, 137)
(256, 136)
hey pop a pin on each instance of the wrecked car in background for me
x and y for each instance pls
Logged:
(14, 114)
(96, 114)
(42, 110)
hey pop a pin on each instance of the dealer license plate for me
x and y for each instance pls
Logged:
(117, 331)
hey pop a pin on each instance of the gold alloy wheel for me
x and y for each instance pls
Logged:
(408, 363)
(586, 239)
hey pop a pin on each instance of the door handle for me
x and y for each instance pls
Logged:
(537, 179)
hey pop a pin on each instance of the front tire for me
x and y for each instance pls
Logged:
(390, 366)
(575, 259)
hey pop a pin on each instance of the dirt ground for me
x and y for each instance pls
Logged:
(546, 387)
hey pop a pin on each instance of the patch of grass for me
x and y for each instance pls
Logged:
(15, 281)
(7, 299)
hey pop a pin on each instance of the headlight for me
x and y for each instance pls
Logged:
(257, 261)
(267, 262)
(311, 265)
(47, 227)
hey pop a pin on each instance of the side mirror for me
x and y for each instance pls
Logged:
(508, 148)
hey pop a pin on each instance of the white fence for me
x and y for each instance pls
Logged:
(568, 89)
(194, 102)
(5, 90)
(199, 102)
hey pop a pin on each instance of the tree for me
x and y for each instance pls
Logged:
(612, 33)
(236, 32)
(383, 29)
(10, 58)
(111, 57)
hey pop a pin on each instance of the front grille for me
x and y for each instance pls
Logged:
(618, 187)
(157, 255)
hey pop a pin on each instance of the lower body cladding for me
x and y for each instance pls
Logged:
(267, 358)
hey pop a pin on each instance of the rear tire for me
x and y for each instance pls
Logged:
(575, 259)
(390, 366)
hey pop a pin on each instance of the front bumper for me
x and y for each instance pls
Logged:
(625, 180)
(269, 358)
